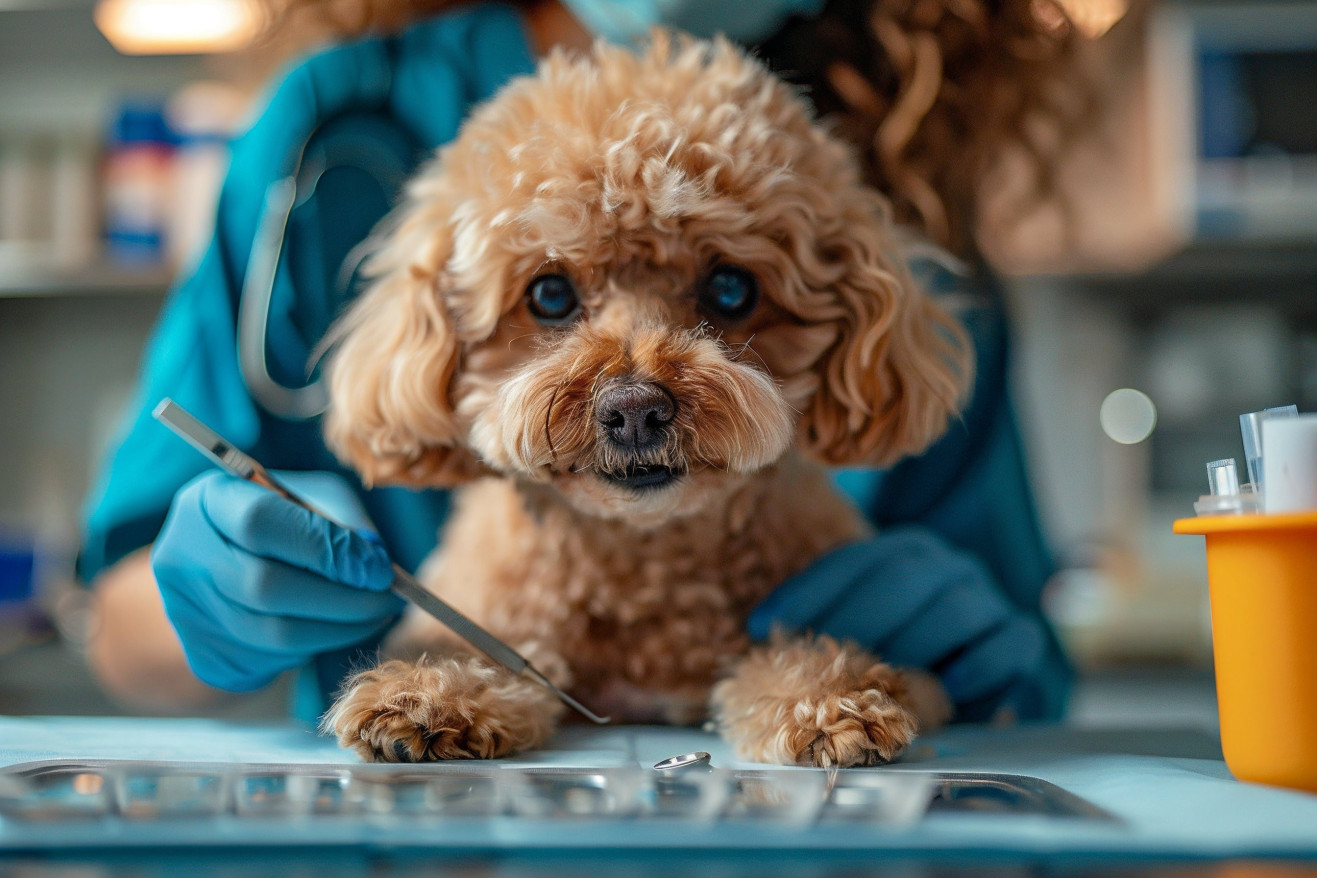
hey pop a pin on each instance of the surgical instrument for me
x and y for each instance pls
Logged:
(236, 462)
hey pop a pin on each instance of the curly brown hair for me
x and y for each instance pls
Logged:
(933, 93)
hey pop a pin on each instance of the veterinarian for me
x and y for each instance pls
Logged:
(204, 583)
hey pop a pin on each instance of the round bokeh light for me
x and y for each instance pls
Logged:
(1128, 416)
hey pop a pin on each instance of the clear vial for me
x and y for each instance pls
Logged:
(1223, 477)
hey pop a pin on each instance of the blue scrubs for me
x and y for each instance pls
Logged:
(971, 490)
(414, 90)
(426, 81)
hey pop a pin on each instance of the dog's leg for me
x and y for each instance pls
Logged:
(803, 702)
(449, 707)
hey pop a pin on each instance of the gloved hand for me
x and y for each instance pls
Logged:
(255, 585)
(917, 601)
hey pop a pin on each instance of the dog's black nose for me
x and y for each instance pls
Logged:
(634, 415)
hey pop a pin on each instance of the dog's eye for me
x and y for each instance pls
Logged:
(552, 299)
(729, 293)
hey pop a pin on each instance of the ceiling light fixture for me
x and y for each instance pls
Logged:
(178, 27)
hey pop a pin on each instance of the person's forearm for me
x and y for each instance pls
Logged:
(133, 649)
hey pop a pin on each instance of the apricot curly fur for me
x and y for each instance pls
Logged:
(934, 93)
(634, 175)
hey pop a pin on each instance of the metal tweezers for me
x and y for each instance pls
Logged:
(236, 462)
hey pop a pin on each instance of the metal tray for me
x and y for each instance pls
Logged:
(155, 791)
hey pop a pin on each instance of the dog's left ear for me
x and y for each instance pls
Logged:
(900, 366)
(394, 357)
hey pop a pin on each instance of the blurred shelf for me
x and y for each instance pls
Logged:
(29, 274)
(1228, 271)
(1282, 273)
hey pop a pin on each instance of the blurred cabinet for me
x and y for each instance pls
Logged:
(1183, 263)
(1217, 329)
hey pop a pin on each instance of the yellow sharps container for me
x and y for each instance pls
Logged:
(1262, 573)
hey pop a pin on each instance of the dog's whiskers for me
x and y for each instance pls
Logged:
(548, 423)
(745, 346)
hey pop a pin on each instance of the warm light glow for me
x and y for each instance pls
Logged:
(1093, 18)
(178, 27)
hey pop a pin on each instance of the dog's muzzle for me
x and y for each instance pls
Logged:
(636, 418)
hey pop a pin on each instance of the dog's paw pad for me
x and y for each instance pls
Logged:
(862, 728)
(387, 734)
(443, 710)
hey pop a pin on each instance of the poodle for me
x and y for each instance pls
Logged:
(634, 309)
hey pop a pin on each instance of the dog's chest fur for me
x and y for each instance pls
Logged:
(644, 619)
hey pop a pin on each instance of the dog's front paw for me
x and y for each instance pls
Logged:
(448, 708)
(865, 727)
(814, 703)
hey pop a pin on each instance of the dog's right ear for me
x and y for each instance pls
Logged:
(393, 358)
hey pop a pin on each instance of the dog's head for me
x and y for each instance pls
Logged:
(637, 278)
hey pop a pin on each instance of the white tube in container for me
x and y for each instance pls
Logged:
(1250, 426)
(1289, 461)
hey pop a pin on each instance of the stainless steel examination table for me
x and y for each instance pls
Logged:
(159, 787)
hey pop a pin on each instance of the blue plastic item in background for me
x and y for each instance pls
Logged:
(17, 568)
(137, 171)
(18, 574)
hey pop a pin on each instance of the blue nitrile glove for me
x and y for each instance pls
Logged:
(919, 602)
(255, 585)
